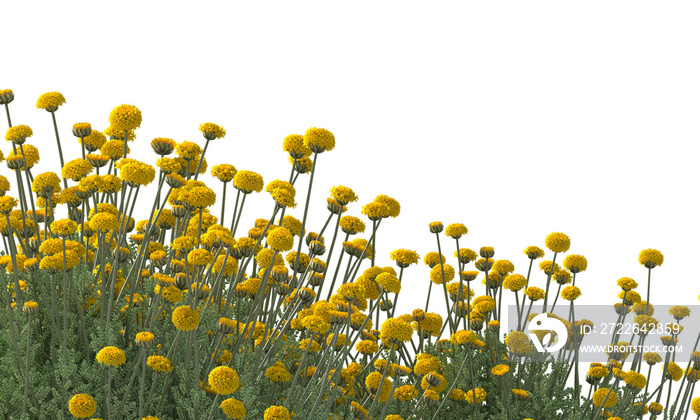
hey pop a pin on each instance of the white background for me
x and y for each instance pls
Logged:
(515, 118)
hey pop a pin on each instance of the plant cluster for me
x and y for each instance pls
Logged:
(176, 317)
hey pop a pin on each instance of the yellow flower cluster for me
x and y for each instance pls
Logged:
(184, 318)
(111, 356)
(159, 364)
(18, 134)
(212, 131)
(557, 242)
(223, 380)
(125, 117)
(248, 181)
(82, 406)
(50, 101)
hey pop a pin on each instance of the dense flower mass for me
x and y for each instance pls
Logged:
(82, 406)
(193, 286)
(223, 380)
(125, 117)
(111, 356)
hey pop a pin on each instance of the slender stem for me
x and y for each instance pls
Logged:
(58, 142)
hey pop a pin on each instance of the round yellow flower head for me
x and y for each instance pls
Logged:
(557, 242)
(395, 330)
(695, 405)
(276, 412)
(280, 239)
(319, 140)
(64, 227)
(7, 204)
(125, 117)
(223, 172)
(575, 263)
(570, 293)
(82, 406)
(223, 380)
(6, 96)
(651, 258)
(534, 252)
(50, 101)
(600, 395)
(343, 195)
(159, 364)
(294, 145)
(456, 230)
(500, 370)
(184, 318)
(626, 284)
(111, 356)
(233, 409)
(248, 181)
(212, 131)
(18, 134)
(76, 169)
(188, 150)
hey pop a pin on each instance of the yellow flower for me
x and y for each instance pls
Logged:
(570, 293)
(319, 140)
(650, 258)
(557, 242)
(18, 134)
(188, 150)
(7, 204)
(104, 222)
(404, 257)
(64, 227)
(316, 324)
(367, 347)
(695, 406)
(352, 225)
(405, 393)
(111, 356)
(223, 172)
(31, 155)
(184, 318)
(343, 195)
(94, 141)
(432, 259)
(292, 224)
(575, 263)
(388, 283)
(294, 145)
(503, 267)
(478, 394)
(233, 409)
(456, 230)
(276, 412)
(125, 117)
(223, 380)
(278, 373)
(46, 183)
(76, 169)
(114, 149)
(159, 364)
(436, 273)
(50, 101)
(534, 252)
(500, 370)
(434, 376)
(393, 205)
(627, 283)
(280, 239)
(282, 192)
(136, 173)
(82, 406)
(212, 131)
(514, 282)
(599, 396)
(248, 181)
(395, 330)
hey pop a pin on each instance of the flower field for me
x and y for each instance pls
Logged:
(127, 295)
